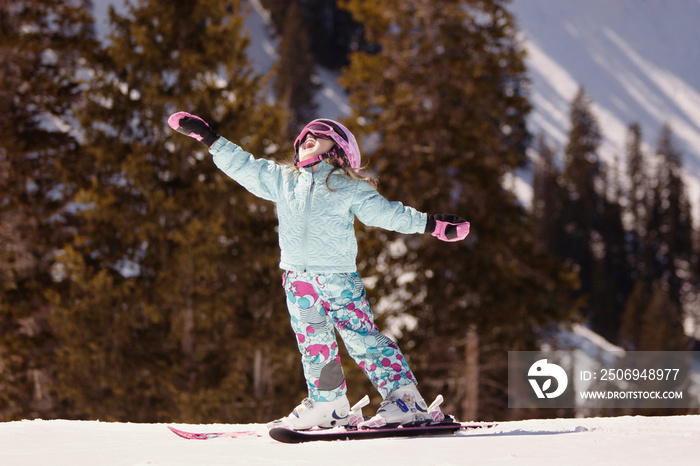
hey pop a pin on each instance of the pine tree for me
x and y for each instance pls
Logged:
(675, 229)
(333, 32)
(638, 198)
(547, 199)
(653, 319)
(294, 85)
(592, 224)
(639, 256)
(669, 242)
(612, 277)
(42, 44)
(444, 100)
(169, 307)
(583, 175)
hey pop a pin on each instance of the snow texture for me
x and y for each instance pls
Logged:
(599, 441)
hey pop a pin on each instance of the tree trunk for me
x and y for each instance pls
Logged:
(470, 402)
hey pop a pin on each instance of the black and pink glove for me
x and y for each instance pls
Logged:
(193, 126)
(447, 227)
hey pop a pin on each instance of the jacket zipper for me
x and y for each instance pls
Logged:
(307, 214)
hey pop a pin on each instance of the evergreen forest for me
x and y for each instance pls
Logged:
(138, 283)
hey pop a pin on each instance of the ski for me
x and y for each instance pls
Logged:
(359, 428)
(285, 435)
(212, 435)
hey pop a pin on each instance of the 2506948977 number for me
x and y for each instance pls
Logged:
(639, 374)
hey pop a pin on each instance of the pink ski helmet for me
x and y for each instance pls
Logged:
(342, 136)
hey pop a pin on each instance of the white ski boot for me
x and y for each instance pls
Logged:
(311, 413)
(403, 406)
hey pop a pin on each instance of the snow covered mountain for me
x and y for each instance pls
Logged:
(638, 61)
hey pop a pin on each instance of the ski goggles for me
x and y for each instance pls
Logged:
(319, 130)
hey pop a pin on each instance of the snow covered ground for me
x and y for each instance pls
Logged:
(619, 441)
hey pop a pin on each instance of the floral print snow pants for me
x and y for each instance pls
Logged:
(321, 304)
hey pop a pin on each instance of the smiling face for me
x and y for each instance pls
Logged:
(312, 146)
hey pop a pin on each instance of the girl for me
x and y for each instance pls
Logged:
(317, 200)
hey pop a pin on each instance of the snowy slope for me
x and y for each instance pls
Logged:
(597, 441)
(638, 60)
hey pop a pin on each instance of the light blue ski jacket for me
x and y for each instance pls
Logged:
(316, 225)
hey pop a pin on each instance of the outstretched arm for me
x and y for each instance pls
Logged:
(259, 176)
(372, 209)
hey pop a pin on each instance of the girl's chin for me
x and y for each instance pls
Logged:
(307, 156)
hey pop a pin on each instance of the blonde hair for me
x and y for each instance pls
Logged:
(340, 164)
(348, 172)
